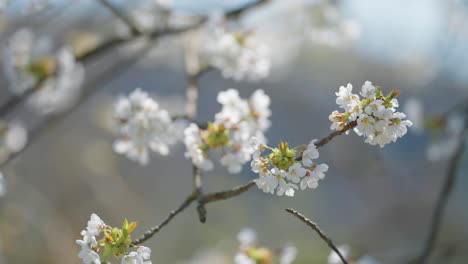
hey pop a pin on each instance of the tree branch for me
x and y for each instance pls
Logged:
(209, 198)
(15, 101)
(443, 198)
(224, 195)
(127, 20)
(152, 231)
(322, 235)
(328, 138)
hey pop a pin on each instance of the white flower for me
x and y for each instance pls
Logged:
(296, 172)
(337, 120)
(239, 56)
(17, 56)
(247, 237)
(365, 125)
(310, 154)
(143, 126)
(193, 143)
(285, 188)
(288, 254)
(376, 108)
(309, 181)
(267, 183)
(60, 91)
(88, 255)
(13, 138)
(141, 256)
(242, 258)
(346, 99)
(319, 171)
(415, 110)
(368, 90)
(233, 162)
(333, 258)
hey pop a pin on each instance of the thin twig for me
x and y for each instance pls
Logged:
(197, 186)
(119, 14)
(209, 198)
(152, 231)
(224, 195)
(322, 235)
(443, 198)
(328, 138)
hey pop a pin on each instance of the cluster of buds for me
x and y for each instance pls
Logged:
(374, 116)
(101, 242)
(238, 122)
(29, 64)
(284, 168)
(143, 125)
(250, 253)
(13, 138)
(238, 55)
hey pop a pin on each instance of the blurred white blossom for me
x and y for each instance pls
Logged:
(447, 135)
(143, 125)
(61, 90)
(415, 111)
(141, 256)
(238, 55)
(29, 62)
(13, 138)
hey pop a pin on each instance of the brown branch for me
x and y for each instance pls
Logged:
(152, 231)
(208, 198)
(127, 20)
(442, 199)
(224, 195)
(328, 138)
(322, 235)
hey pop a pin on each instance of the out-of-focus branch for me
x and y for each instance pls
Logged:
(15, 101)
(119, 14)
(208, 198)
(444, 195)
(191, 109)
(322, 235)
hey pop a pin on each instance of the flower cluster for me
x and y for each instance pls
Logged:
(13, 138)
(375, 115)
(284, 168)
(238, 123)
(114, 242)
(143, 125)
(238, 55)
(29, 64)
(250, 253)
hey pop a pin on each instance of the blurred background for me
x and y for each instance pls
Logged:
(378, 201)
